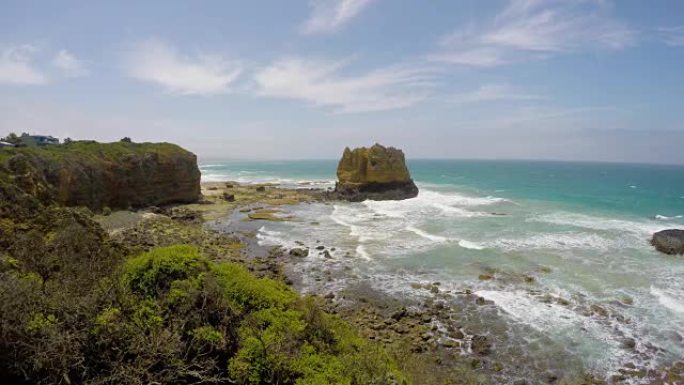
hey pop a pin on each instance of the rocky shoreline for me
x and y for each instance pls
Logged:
(432, 335)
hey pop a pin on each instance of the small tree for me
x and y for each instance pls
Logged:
(68, 140)
(11, 138)
(127, 140)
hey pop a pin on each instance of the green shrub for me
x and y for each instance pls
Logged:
(152, 273)
(251, 292)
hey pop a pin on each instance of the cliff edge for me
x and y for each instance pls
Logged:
(99, 175)
(376, 173)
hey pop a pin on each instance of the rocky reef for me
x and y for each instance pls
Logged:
(376, 173)
(669, 241)
(100, 175)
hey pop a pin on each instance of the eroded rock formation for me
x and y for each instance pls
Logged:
(376, 173)
(99, 175)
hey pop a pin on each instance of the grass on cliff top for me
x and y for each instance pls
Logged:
(92, 150)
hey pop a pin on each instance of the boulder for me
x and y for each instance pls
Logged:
(669, 241)
(376, 173)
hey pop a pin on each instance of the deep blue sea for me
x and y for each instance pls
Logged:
(575, 278)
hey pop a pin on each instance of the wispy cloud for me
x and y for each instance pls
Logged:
(69, 64)
(673, 36)
(321, 82)
(528, 29)
(156, 62)
(330, 15)
(493, 93)
(17, 66)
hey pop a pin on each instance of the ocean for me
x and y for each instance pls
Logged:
(560, 251)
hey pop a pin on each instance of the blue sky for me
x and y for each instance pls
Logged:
(531, 79)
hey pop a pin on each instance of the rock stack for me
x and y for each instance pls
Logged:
(376, 173)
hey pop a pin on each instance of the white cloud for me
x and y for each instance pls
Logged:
(476, 57)
(69, 64)
(320, 82)
(492, 93)
(673, 36)
(156, 62)
(528, 29)
(330, 15)
(17, 67)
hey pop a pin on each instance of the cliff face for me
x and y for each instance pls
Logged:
(98, 175)
(377, 173)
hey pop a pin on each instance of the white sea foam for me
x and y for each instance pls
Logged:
(426, 235)
(669, 300)
(470, 245)
(274, 238)
(600, 223)
(666, 218)
(557, 241)
(361, 252)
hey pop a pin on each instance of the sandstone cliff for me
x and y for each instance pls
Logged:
(377, 173)
(98, 175)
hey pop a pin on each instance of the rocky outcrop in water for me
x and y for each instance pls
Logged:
(99, 175)
(669, 241)
(376, 173)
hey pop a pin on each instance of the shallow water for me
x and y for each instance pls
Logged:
(566, 243)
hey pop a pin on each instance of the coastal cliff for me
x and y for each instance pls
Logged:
(376, 173)
(99, 175)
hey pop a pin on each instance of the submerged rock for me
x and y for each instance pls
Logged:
(376, 173)
(669, 241)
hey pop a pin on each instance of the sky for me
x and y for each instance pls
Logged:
(588, 80)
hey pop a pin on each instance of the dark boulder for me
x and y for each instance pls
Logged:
(669, 241)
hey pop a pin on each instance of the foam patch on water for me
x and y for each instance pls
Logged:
(274, 238)
(600, 223)
(557, 241)
(666, 218)
(471, 245)
(669, 299)
(593, 339)
(426, 235)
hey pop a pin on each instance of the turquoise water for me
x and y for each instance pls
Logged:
(576, 284)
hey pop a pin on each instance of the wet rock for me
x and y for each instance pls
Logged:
(485, 277)
(186, 215)
(399, 314)
(599, 310)
(669, 241)
(329, 296)
(261, 189)
(457, 334)
(228, 197)
(299, 252)
(480, 345)
(477, 363)
(326, 255)
(321, 247)
(629, 343)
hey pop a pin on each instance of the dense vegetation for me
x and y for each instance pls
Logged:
(75, 307)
